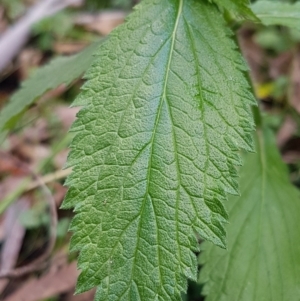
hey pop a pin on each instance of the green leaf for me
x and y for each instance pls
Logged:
(262, 261)
(60, 70)
(278, 13)
(237, 7)
(167, 105)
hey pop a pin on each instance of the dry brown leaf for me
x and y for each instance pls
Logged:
(38, 132)
(28, 59)
(11, 165)
(103, 22)
(253, 53)
(295, 82)
(58, 280)
(59, 193)
(66, 115)
(291, 157)
(60, 159)
(69, 48)
(280, 65)
(287, 130)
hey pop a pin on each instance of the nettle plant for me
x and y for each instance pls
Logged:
(166, 108)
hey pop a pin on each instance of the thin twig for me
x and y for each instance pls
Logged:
(15, 37)
(57, 175)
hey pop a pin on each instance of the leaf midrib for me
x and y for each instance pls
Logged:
(262, 158)
(163, 98)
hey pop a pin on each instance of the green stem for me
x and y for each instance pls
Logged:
(257, 116)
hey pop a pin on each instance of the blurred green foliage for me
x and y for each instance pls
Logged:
(14, 8)
(96, 4)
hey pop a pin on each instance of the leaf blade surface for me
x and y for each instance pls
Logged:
(262, 261)
(278, 13)
(238, 7)
(155, 149)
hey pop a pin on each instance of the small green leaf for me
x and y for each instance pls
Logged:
(237, 7)
(167, 105)
(278, 13)
(58, 71)
(262, 261)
